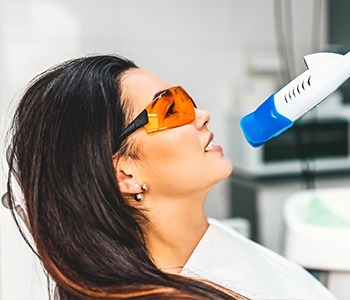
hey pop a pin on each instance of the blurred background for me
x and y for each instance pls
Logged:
(230, 55)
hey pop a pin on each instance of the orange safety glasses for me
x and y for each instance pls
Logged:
(170, 108)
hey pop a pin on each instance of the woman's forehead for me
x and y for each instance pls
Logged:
(140, 86)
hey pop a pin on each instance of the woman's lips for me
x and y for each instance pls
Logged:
(210, 146)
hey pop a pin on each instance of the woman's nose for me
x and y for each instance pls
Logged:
(202, 118)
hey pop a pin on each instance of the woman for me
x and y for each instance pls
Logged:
(115, 166)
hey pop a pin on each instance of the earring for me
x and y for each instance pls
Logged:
(138, 197)
(144, 187)
(135, 186)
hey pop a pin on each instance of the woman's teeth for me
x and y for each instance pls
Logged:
(210, 146)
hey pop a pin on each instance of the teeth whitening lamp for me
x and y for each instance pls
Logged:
(326, 72)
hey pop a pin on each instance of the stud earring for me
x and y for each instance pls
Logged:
(135, 186)
(144, 187)
(138, 197)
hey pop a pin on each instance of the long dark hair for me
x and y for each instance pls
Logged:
(87, 236)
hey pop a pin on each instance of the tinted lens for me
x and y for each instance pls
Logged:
(171, 109)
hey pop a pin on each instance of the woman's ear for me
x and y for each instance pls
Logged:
(124, 170)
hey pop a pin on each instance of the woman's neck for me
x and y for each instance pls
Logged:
(175, 229)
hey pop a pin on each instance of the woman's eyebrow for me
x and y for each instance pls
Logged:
(157, 94)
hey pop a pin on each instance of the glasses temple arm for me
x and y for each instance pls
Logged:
(140, 120)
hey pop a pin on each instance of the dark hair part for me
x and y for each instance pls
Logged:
(86, 235)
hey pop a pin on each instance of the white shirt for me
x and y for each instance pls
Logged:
(227, 258)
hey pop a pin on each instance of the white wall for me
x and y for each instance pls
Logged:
(200, 44)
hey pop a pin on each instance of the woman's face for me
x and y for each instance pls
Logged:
(174, 162)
